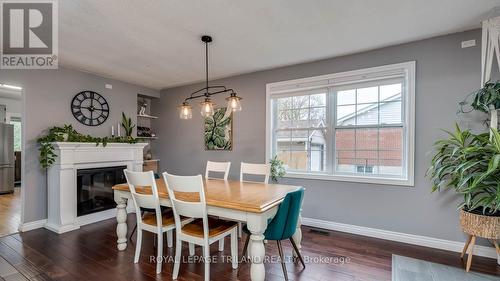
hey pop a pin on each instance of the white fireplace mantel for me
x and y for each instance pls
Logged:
(71, 156)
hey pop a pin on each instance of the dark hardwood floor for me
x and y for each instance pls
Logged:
(90, 254)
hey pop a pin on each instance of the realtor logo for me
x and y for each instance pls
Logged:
(29, 34)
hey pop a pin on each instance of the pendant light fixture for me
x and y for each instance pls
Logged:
(207, 105)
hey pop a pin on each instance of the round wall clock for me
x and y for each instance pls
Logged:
(90, 108)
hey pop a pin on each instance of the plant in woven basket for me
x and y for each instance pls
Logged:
(470, 165)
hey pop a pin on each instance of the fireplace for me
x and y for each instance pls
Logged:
(94, 193)
(79, 194)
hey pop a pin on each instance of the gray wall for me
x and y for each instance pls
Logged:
(47, 98)
(445, 75)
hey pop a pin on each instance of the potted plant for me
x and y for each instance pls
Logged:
(127, 125)
(487, 98)
(277, 168)
(469, 164)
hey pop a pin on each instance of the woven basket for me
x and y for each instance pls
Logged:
(479, 225)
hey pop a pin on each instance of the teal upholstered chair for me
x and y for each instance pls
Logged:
(283, 225)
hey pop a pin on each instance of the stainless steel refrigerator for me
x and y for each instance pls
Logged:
(6, 158)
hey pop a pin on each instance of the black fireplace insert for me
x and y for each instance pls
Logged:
(94, 188)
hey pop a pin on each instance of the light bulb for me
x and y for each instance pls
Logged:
(185, 111)
(233, 102)
(207, 108)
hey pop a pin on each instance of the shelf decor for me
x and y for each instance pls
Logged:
(219, 130)
(207, 105)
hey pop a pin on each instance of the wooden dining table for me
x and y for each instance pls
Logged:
(248, 202)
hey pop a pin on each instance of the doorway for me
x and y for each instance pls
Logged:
(11, 137)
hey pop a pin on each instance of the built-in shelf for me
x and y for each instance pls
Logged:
(147, 116)
(151, 160)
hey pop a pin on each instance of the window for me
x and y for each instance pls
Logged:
(17, 132)
(351, 126)
(301, 131)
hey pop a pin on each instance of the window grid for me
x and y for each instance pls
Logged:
(394, 107)
(356, 128)
(309, 129)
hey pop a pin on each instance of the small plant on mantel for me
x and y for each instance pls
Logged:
(277, 168)
(68, 134)
(127, 125)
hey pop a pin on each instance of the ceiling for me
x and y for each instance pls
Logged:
(156, 43)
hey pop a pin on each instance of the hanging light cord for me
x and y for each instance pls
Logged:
(206, 67)
(207, 88)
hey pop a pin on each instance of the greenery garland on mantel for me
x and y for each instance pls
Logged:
(68, 134)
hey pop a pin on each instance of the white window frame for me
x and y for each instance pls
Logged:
(335, 80)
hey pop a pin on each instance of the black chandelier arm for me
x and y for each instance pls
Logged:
(206, 90)
(208, 94)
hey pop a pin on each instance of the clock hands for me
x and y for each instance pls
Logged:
(91, 108)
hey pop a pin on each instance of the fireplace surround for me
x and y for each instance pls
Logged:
(63, 180)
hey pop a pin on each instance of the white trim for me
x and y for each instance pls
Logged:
(349, 178)
(406, 69)
(343, 78)
(23, 163)
(97, 217)
(32, 225)
(419, 240)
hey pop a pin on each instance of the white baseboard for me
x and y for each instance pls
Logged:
(80, 221)
(96, 217)
(60, 229)
(431, 242)
(32, 225)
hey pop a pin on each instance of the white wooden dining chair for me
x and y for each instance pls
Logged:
(156, 222)
(202, 231)
(255, 170)
(217, 167)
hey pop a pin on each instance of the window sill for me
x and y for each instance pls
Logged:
(346, 178)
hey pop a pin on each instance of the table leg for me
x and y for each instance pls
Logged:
(257, 225)
(121, 218)
(297, 236)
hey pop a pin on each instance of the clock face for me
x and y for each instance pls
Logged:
(90, 108)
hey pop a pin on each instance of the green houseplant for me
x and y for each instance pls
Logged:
(127, 125)
(277, 168)
(487, 97)
(469, 164)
